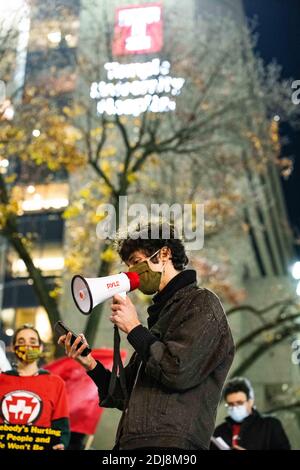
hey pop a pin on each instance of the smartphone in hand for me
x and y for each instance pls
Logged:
(61, 329)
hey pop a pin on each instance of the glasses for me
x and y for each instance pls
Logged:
(152, 256)
(235, 403)
(140, 260)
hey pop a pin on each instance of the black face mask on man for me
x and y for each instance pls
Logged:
(149, 279)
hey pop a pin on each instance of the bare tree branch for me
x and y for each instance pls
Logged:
(252, 309)
(289, 407)
(279, 337)
(268, 326)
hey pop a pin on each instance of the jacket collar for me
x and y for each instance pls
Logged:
(170, 293)
(247, 421)
(16, 373)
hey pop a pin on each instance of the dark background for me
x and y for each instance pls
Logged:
(278, 27)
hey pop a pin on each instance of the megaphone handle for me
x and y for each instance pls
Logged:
(123, 294)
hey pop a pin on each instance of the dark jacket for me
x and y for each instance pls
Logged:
(257, 433)
(174, 388)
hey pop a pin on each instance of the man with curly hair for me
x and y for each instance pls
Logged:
(175, 377)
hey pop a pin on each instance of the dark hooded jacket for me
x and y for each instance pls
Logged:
(175, 377)
(257, 432)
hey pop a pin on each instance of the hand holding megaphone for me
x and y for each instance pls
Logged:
(89, 292)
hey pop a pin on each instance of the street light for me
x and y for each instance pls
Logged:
(36, 132)
(296, 270)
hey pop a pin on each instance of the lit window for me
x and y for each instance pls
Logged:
(47, 264)
(44, 197)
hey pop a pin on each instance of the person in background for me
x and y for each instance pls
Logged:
(4, 362)
(6, 355)
(3, 336)
(44, 400)
(245, 428)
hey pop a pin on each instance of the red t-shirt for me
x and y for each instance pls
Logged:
(236, 428)
(38, 399)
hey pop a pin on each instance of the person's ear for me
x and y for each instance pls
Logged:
(250, 403)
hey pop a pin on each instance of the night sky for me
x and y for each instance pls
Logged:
(279, 38)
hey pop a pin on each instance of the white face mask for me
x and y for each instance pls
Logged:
(238, 413)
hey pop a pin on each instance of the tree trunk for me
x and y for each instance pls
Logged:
(93, 321)
(39, 284)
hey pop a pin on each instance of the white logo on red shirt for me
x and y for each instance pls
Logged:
(21, 407)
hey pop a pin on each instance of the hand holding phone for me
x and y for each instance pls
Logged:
(61, 329)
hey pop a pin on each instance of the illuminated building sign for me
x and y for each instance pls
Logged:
(137, 87)
(138, 29)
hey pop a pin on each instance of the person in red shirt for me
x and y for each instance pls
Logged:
(245, 428)
(30, 396)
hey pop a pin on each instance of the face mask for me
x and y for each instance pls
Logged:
(149, 280)
(238, 413)
(28, 354)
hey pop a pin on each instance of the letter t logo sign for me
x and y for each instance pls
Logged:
(138, 30)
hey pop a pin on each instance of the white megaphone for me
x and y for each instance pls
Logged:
(89, 292)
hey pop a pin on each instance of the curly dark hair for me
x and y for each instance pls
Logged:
(151, 237)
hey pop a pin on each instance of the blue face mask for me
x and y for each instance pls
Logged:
(238, 413)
